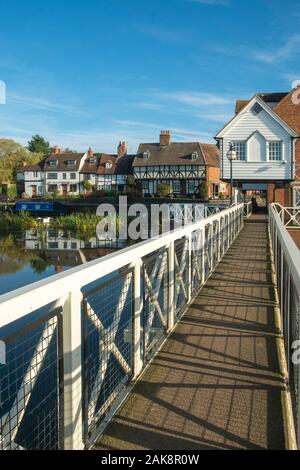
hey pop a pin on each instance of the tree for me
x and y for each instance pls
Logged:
(38, 144)
(12, 158)
(203, 190)
(163, 189)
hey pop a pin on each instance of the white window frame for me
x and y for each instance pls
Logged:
(235, 145)
(279, 145)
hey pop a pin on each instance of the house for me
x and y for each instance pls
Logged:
(181, 165)
(264, 133)
(107, 172)
(65, 172)
(59, 172)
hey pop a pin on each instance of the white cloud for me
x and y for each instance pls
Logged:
(40, 103)
(282, 53)
(194, 98)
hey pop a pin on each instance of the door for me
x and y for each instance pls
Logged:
(64, 189)
(34, 190)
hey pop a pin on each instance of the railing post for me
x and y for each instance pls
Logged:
(171, 263)
(138, 306)
(203, 248)
(189, 290)
(72, 364)
(219, 239)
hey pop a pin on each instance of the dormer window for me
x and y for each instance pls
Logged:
(195, 156)
(108, 165)
(71, 162)
(146, 155)
(92, 160)
(53, 162)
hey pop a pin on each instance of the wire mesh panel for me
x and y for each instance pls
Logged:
(215, 243)
(181, 275)
(108, 345)
(294, 369)
(31, 410)
(208, 249)
(155, 311)
(197, 260)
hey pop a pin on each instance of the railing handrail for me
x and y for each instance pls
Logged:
(289, 247)
(20, 302)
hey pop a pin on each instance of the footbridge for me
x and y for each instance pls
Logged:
(185, 341)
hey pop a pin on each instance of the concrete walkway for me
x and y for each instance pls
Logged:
(216, 384)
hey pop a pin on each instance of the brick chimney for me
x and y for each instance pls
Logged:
(122, 149)
(165, 138)
(90, 152)
(57, 150)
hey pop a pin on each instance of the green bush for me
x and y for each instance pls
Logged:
(203, 190)
(163, 190)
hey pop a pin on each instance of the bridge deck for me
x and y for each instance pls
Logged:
(216, 384)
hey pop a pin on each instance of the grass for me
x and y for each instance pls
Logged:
(77, 223)
(10, 223)
(83, 224)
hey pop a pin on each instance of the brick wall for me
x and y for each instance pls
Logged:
(281, 195)
(213, 176)
(290, 113)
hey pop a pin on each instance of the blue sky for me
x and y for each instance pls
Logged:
(93, 72)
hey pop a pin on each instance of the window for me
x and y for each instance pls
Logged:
(145, 186)
(52, 187)
(53, 245)
(71, 162)
(52, 176)
(35, 174)
(275, 151)
(146, 155)
(176, 186)
(240, 149)
(73, 176)
(191, 186)
(53, 162)
(108, 165)
(195, 156)
(64, 175)
(73, 188)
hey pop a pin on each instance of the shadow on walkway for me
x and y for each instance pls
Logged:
(216, 384)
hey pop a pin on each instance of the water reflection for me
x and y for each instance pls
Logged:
(36, 254)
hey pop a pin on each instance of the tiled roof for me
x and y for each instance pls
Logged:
(177, 153)
(120, 165)
(211, 154)
(37, 167)
(62, 160)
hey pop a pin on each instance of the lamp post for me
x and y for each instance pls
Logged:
(231, 155)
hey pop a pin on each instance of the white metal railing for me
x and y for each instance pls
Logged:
(287, 266)
(248, 209)
(74, 341)
(290, 216)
